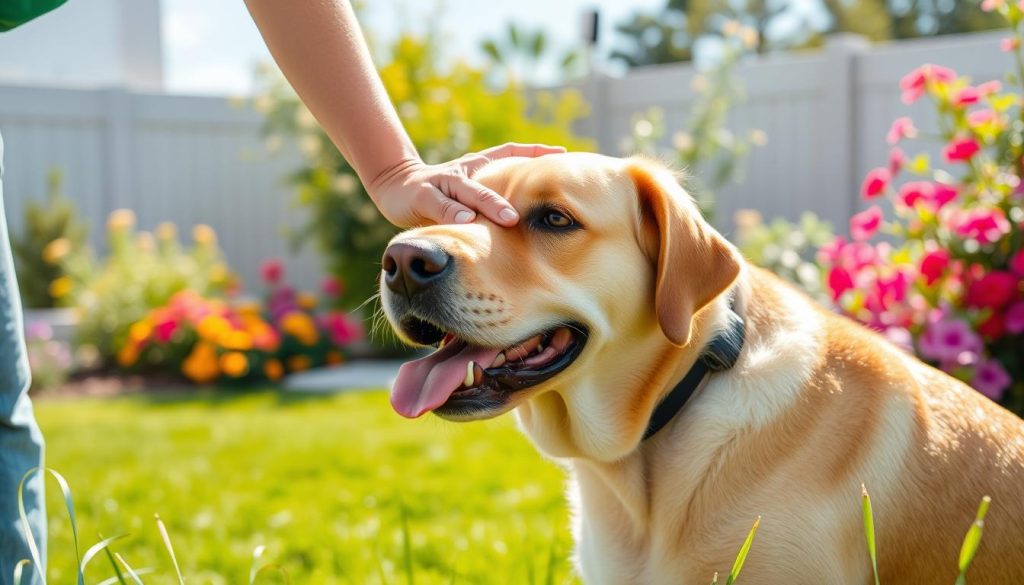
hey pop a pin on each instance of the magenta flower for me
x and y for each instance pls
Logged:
(164, 331)
(1015, 318)
(332, 287)
(966, 96)
(991, 379)
(1017, 263)
(915, 83)
(961, 149)
(343, 329)
(992, 291)
(901, 128)
(987, 225)
(950, 341)
(875, 183)
(839, 281)
(943, 194)
(934, 265)
(272, 271)
(934, 195)
(864, 224)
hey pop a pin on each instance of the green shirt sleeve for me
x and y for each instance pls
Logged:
(17, 12)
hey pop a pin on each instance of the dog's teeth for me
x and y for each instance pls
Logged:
(478, 375)
(470, 375)
(499, 360)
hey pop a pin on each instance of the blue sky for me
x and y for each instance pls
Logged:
(212, 47)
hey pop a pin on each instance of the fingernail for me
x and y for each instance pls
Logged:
(463, 217)
(508, 214)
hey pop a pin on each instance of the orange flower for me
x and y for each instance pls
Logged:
(211, 327)
(201, 366)
(140, 331)
(128, 355)
(273, 369)
(300, 326)
(55, 250)
(334, 357)
(298, 363)
(235, 340)
(204, 235)
(306, 301)
(60, 287)
(234, 364)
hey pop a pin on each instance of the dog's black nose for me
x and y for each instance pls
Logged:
(411, 267)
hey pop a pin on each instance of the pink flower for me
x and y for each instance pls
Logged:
(992, 5)
(1015, 318)
(980, 117)
(943, 194)
(992, 291)
(839, 281)
(272, 271)
(993, 327)
(934, 265)
(164, 331)
(987, 225)
(950, 340)
(896, 161)
(961, 149)
(990, 87)
(332, 287)
(342, 328)
(914, 191)
(1009, 44)
(916, 82)
(901, 128)
(991, 379)
(901, 338)
(1017, 263)
(966, 96)
(829, 253)
(864, 224)
(875, 183)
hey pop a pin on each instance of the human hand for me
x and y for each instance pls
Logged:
(415, 193)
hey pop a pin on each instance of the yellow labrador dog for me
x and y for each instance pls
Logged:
(589, 318)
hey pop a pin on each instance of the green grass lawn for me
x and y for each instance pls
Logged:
(322, 482)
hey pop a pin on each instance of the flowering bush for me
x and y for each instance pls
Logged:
(949, 282)
(142, 271)
(210, 339)
(49, 358)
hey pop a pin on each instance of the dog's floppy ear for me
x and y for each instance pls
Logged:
(694, 263)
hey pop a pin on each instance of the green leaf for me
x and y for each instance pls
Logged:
(96, 549)
(490, 48)
(972, 540)
(19, 570)
(131, 572)
(170, 549)
(27, 528)
(741, 558)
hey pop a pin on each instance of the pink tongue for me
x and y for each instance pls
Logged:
(426, 383)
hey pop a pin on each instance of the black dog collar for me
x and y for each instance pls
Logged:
(720, 354)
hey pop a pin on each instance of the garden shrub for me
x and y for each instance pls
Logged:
(447, 112)
(948, 281)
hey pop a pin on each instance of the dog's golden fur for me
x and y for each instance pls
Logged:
(815, 406)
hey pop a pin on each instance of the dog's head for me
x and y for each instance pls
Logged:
(573, 314)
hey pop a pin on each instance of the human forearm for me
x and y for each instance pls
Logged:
(320, 48)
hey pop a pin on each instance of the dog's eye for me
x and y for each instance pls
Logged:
(557, 220)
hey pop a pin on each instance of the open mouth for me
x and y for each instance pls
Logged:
(461, 378)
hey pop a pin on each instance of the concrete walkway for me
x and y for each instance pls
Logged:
(356, 375)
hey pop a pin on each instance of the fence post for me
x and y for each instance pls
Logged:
(838, 131)
(119, 159)
(595, 125)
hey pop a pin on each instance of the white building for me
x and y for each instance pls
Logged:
(88, 43)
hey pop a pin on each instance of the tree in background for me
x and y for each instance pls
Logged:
(519, 54)
(673, 33)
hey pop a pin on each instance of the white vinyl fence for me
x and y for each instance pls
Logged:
(199, 160)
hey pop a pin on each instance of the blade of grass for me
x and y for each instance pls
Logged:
(407, 546)
(741, 558)
(117, 569)
(549, 579)
(19, 570)
(96, 549)
(253, 568)
(869, 530)
(972, 540)
(131, 572)
(27, 528)
(112, 580)
(274, 567)
(170, 549)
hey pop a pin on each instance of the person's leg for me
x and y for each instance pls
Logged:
(21, 443)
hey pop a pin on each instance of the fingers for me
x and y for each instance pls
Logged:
(515, 149)
(436, 207)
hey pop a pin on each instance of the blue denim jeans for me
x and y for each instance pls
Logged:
(21, 442)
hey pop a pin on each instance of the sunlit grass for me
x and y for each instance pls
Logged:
(326, 485)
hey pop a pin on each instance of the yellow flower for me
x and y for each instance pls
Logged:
(121, 219)
(306, 301)
(128, 355)
(211, 327)
(234, 364)
(300, 326)
(298, 363)
(248, 309)
(166, 231)
(273, 369)
(60, 287)
(235, 340)
(219, 273)
(204, 235)
(140, 330)
(56, 250)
